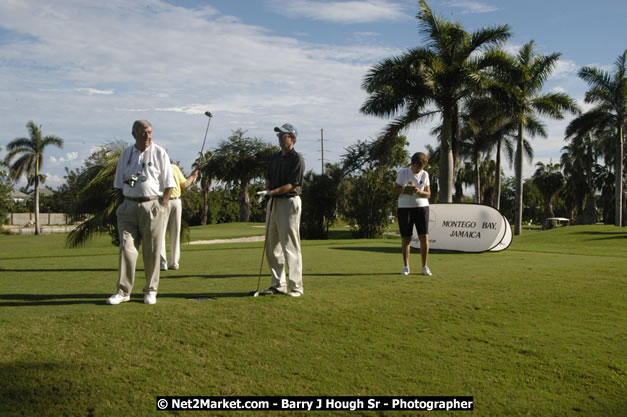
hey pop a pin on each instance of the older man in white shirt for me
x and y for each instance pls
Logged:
(144, 182)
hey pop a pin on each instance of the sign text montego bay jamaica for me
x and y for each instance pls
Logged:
(467, 228)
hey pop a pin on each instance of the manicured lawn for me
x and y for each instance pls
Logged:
(539, 329)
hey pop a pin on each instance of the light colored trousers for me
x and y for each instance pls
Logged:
(283, 246)
(139, 223)
(172, 226)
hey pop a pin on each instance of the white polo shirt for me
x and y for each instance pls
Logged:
(151, 168)
(407, 177)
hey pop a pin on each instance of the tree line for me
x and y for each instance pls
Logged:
(490, 105)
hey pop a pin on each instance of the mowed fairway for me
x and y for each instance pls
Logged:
(539, 329)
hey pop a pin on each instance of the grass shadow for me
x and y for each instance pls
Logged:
(18, 397)
(61, 270)
(34, 300)
(598, 235)
(380, 249)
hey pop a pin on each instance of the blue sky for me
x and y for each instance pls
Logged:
(85, 70)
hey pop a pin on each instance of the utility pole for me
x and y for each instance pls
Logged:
(322, 148)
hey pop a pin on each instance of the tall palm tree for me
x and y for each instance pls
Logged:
(29, 154)
(549, 180)
(578, 160)
(482, 127)
(609, 93)
(522, 78)
(432, 80)
(208, 171)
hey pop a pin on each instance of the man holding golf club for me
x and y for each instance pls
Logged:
(284, 185)
(144, 182)
(173, 219)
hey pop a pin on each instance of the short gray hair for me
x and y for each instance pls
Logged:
(140, 124)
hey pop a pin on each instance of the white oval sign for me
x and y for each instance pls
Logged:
(465, 228)
(507, 240)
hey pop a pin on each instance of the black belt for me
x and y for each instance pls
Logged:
(174, 198)
(141, 199)
(285, 196)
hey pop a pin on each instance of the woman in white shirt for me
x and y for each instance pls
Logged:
(413, 190)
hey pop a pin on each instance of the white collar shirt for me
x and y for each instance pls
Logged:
(143, 174)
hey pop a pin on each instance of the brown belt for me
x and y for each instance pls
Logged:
(141, 199)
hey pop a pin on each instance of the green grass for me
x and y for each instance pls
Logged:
(538, 330)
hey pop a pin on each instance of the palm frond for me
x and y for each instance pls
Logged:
(555, 104)
(489, 37)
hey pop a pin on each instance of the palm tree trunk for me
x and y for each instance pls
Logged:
(497, 202)
(446, 158)
(519, 183)
(37, 231)
(618, 216)
(244, 204)
(477, 180)
(206, 185)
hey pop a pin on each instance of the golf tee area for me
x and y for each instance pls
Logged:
(539, 329)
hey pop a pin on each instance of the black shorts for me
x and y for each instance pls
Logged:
(410, 217)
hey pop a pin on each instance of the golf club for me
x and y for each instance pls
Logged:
(265, 242)
(209, 115)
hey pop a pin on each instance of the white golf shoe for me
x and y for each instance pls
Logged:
(426, 271)
(294, 293)
(150, 298)
(405, 270)
(118, 298)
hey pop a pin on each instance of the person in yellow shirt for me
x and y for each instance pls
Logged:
(173, 220)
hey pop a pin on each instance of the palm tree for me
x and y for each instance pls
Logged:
(578, 160)
(207, 169)
(609, 92)
(549, 180)
(482, 127)
(30, 158)
(239, 160)
(521, 80)
(432, 80)
(98, 200)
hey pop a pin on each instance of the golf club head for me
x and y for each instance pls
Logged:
(208, 114)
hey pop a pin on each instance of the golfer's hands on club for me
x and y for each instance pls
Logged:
(262, 195)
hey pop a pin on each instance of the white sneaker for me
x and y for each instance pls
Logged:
(405, 270)
(164, 267)
(117, 299)
(294, 293)
(174, 267)
(150, 299)
(426, 271)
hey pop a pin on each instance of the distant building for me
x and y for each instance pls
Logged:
(18, 196)
(44, 192)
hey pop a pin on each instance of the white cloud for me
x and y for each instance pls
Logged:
(357, 11)
(53, 181)
(92, 91)
(472, 6)
(85, 75)
(565, 68)
(70, 156)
